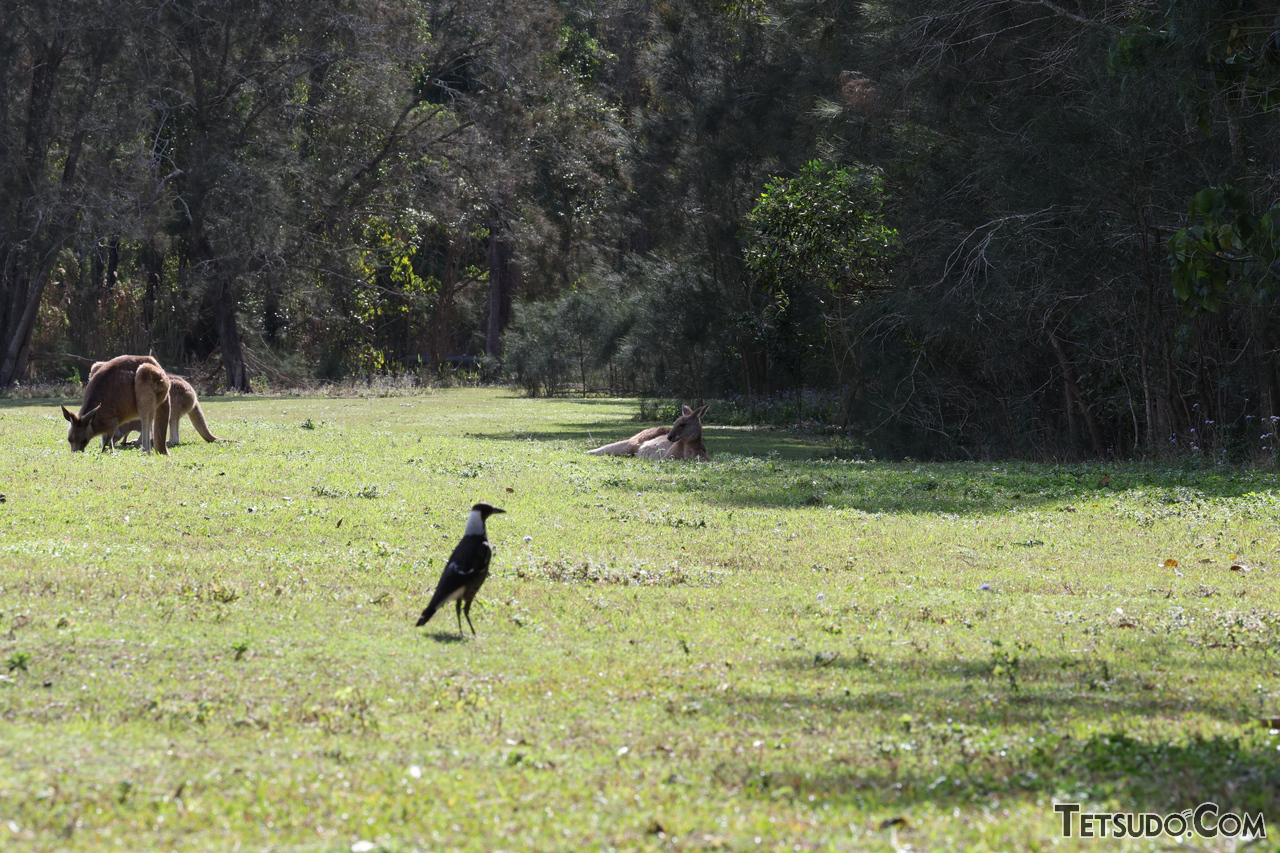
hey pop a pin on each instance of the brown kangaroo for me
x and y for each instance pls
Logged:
(681, 440)
(126, 387)
(182, 402)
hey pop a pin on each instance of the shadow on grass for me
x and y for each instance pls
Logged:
(445, 637)
(990, 693)
(943, 737)
(956, 488)
(1114, 768)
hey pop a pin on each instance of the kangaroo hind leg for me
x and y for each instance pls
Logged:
(151, 392)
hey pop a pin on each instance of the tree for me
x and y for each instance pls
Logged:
(59, 74)
(823, 229)
(1229, 246)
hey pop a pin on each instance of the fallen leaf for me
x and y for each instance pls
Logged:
(1239, 568)
(1171, 563)
(893, 821)
(1126, 624)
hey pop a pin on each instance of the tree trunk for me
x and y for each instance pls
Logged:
(222, 298)
(152, 263)
(1203, 392)
(444, 299)
(25, 286)
(224, 310)
(113, 263)
(1264, 369)
(24, 268)
(1144, 334)
(1072, 392)
(492, 338)
(1148, 402)
(44, 81)
(504, 281)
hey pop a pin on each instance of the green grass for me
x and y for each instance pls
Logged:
(216, 650)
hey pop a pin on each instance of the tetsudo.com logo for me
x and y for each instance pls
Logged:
(1204, 820)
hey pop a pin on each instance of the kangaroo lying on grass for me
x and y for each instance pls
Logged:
(681, 440)
(182, 402)
(124, 388)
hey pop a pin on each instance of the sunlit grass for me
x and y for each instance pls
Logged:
(217, 648)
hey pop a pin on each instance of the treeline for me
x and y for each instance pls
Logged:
(325, 184)
(984, 228)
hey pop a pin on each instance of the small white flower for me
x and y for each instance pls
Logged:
(363, 847)
(528, 538)
(415, 771)
(623, 750)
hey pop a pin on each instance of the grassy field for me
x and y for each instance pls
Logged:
(781, 649)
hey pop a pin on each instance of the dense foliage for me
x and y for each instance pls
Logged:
(989, 227)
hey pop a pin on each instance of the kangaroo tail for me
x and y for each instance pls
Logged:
(197, 420)
(618, 448)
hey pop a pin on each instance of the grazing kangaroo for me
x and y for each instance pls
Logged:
(182, 403)
(681, 440)
(124, 388)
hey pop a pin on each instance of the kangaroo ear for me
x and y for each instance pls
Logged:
(687, 411)
(88, 416)
(702, 410)
(66, 414)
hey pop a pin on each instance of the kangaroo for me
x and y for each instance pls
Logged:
(182, 402)
(126, 387)
(681, 440)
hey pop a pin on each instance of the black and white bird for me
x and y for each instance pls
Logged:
(467, 568)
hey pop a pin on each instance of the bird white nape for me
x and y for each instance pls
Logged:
(466, 570)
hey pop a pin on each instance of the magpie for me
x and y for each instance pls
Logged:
(467, 568)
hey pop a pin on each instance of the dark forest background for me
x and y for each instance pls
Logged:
(969, 229)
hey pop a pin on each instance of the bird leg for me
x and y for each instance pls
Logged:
(467, 611)
(458, 609)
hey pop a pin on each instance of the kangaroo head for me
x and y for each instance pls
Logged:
(80, 433)
(689, 424)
